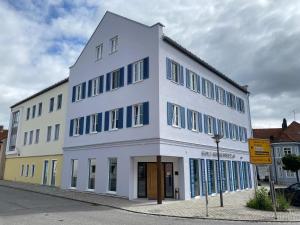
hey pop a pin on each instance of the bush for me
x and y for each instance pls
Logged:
(282, 203)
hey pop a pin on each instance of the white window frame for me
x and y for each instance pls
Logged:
(223, 128)
(95, 86)
(114, 44)
(234, 134)
(74, 171)
(221, 95)
(78, 90)
(93, 123)
(290, 174)
(25, 138)
(176, 117)
(37, 136)
(210, 125)
(232, 100)
(137, 115)
(208, 88)
(287, 151)
(115, 76)
(49, 133)
(175, 72)
(138, 71)
(193, 81)
(56, 131)
(99, 51)
(194, 121)
(76, 129)
(114, 117)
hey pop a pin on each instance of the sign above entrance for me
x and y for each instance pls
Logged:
(260, 151)
(214, 154)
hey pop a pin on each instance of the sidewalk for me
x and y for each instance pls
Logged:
(234, 205)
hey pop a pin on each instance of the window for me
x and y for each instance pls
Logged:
(240, 105)
(51, 106)
(176, 116)
(193, 81)
(95, 86)
(53, 172)
(138, 115)
(99, 51)
(138, 71)
(114, 119)
(112, 184)
(40, 109)
(115, 78)
(78, 90)
(290, 173)
(56, 132)
(92, 174)
(28, 114)
(45, 172)
(231, 100)
(37, 136)
(22, 170)
(194, 121)
(234, 132)
(175, 70)
(76, 126)
(220, 95)
(59, 101)
(222, 130)
(114, 44)
(32, 170)
(287, 151)
(93, 123)
(74, 165)
(27, 170)
(278, 152)
(25, 138)
(208, 88)
(210, 125)
(33, 111)
(14, 130)
(49, 130)
(30, 137)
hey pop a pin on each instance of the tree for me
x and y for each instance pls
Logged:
(291, 162)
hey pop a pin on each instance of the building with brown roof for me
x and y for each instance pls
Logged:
(3, 138)
(284, 140)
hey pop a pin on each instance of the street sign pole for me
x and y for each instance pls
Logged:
(206, 197)
(272, 192)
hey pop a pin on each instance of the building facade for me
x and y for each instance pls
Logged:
(136, 96)
(284, 141)
(3, 141)
(35, 139)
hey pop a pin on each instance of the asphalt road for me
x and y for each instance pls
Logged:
(19, 207)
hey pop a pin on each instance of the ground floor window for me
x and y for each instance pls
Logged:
(45, 173)
(92, 174)
(235, 173)
(211, 176)
(74, 165)
(194, 177)
(224, 177)
(168, 174)
(53, 172)
(112, 184)
(142, 179)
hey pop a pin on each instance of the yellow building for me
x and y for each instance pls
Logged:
(36, 134)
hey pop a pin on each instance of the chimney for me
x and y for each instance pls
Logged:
(284, 124)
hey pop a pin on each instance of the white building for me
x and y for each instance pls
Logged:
(135, 94)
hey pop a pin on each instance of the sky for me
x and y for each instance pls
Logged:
(256, 43)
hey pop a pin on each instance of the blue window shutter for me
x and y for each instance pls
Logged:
(198, 84)
(200, 122)
(203, 87)
(83, 90)
(241, 176)
(224, 97)
(71, 128)
(106, 122)
(129, 116)
(240, 134)
(214, 125)
(73, 94)
(169, 69)
(129, 74)
(192, 178)
(249, 171)
(230, 131)
(146, 113)
(219, 126)
(87, 125)
(212, 90)
(99, 127)
(202, 177)
(90, 88)
(230, 175)
(182, 116)
(101, 84)
(169, 113)
(146, 68)
(218, 177)
(189, 119)
(217, 94)
(81, 124)
(226, 130)
(181, 77)
(237, 131)
(209, 183)
(245, 134)
(122, 77)
(187, 75)
(205, 124)
(120, 118)
(228, 98)
(108, 81)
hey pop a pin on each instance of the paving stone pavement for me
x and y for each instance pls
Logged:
(234, 204)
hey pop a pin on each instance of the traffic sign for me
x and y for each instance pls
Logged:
(260, 151)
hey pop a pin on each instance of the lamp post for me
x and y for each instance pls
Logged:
(217, 138)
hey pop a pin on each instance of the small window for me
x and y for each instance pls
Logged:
(22, 170)
(92, 174)
(95, 86)
(76, 126)
(175, 70)
(32, 170)
(56, 132)
(114, 119)
(59, 101)
(138, 115)
(176, 116)
(33, 111)
(37, 136)
(193, 81)
(93, 123)
(27, 170)
(210, 125)
(234, 132)
(115, 78)
(221, 95)
(240, 105)
(51, 106)
(231, 101)
(209, 86)
(194, 121)
(40, 109)
(74, 165)
(78, 90)
(138, 71)
(25, 138)
(30, 137)
(112, 184)
(49, 131)
(222, 128)
(99, 51)
(114, 44)
(28, 114)
(287, 151)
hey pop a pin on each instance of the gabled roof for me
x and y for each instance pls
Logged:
(290, 134)
(41, 92)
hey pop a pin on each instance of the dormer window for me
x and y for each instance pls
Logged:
(114, 44)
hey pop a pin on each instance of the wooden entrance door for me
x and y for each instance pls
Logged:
(152, 181)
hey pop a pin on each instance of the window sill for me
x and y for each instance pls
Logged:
(136, 82)
(90, 190)
(115, 129)
(73, 188)
(111, 53)
(111, 192)
(78, 100)
(97, 60)
(75, 135)
(136, 126)
(196, 131)
(93, 132)
(175, 82)
(176, 126)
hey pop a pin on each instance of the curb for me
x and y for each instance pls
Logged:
(151, 214)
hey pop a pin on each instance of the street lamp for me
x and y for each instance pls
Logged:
(217, 138)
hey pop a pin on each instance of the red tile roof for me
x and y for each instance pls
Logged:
(290, 134)
(3, 134)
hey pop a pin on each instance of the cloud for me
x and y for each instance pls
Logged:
(253, 42)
